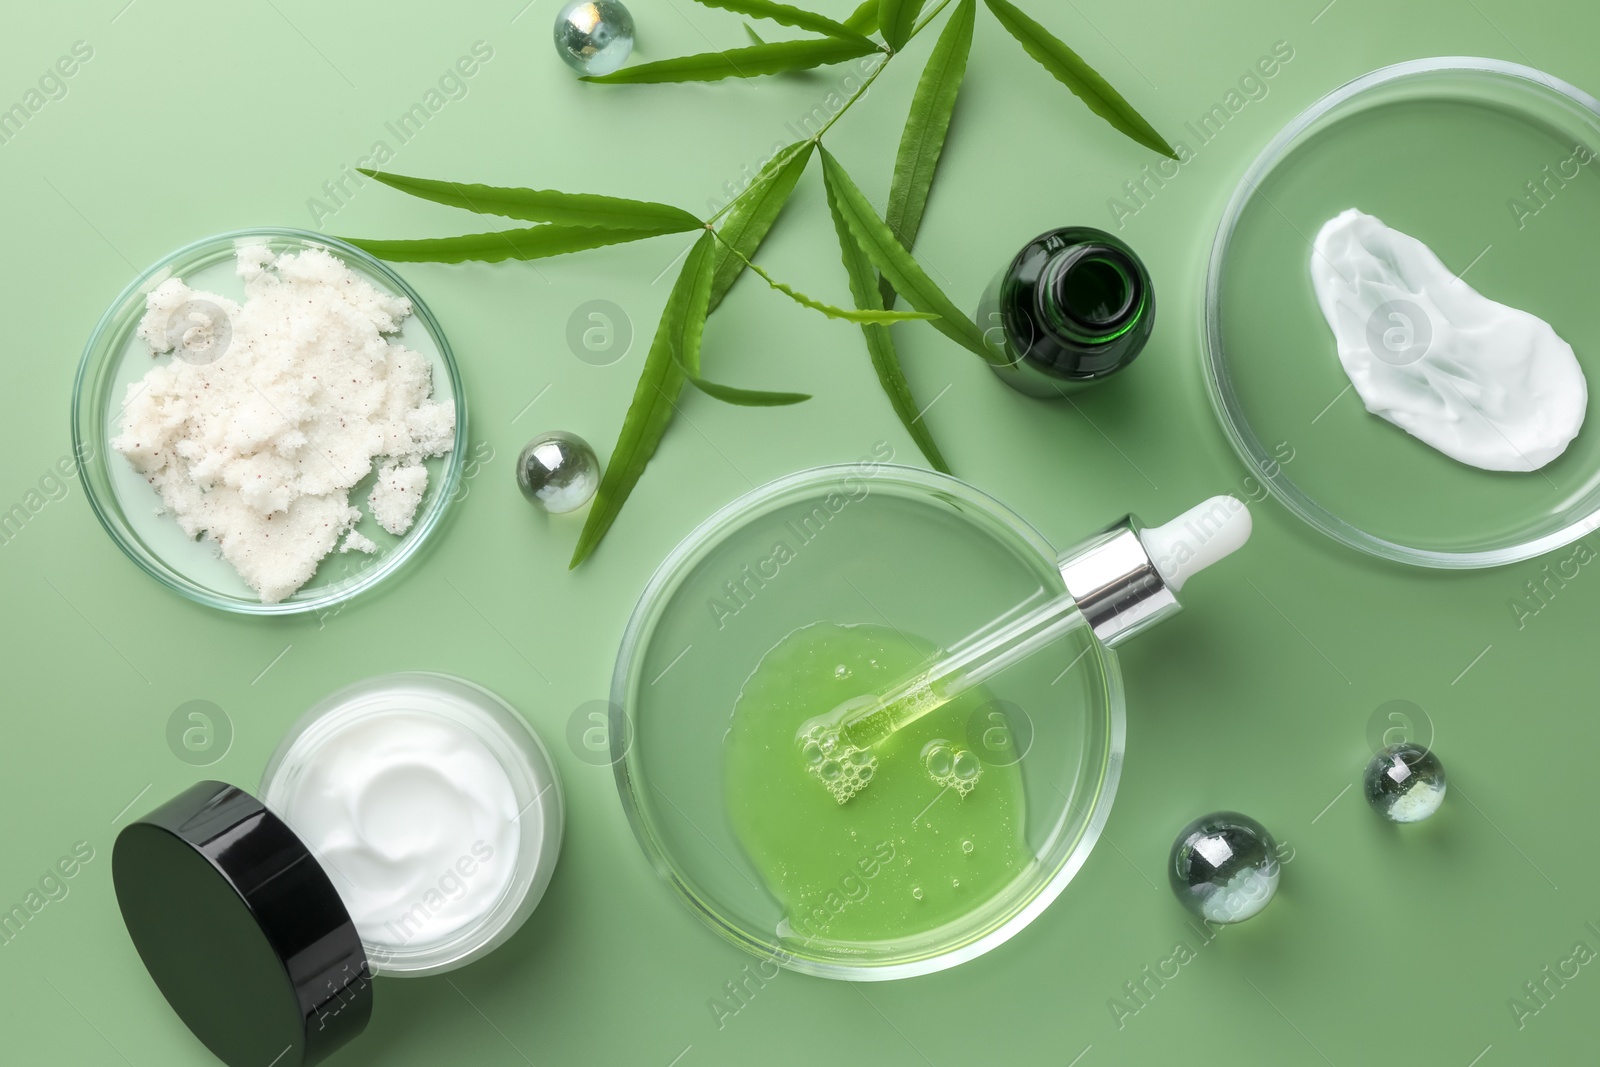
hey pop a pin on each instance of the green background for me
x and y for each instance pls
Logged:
(1384, 946)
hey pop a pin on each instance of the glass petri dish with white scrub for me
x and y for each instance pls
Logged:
(962, 799)
(1493, 167)
(202, 333)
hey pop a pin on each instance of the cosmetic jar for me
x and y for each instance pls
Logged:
(407, 826)
(391, 804)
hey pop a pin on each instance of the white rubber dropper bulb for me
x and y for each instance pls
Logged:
(1195, 540)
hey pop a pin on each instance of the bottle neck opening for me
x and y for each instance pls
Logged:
(1092, 293)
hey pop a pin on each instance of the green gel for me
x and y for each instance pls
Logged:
(902, 857)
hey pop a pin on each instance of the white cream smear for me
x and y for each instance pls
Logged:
(271, 411)
(413, 818)
(1484, 383)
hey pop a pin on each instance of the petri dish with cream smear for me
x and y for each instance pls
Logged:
(1494, 167)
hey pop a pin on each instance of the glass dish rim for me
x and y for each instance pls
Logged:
(643, 615)
(1224, 402)
(108, 513)
(493, 721)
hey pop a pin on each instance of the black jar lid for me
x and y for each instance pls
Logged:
(242, 929)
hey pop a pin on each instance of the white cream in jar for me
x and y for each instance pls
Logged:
(431, 807)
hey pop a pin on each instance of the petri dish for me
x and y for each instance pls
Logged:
(128, 507)
(1445, 150)
(883, 546)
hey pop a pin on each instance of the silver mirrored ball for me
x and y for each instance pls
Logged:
(558, 471)
(1405, 783)
(1224, 867)
(594, 36)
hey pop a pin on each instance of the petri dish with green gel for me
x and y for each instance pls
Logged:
(817, 588)
(1481, 160)
(129, 509)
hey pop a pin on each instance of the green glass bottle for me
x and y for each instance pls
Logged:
(1074, 307)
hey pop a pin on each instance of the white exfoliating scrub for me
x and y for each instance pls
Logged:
(257, 445)
(1484, 383)
(413, 818)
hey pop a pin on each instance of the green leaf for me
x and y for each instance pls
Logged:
(696, 303)
(878, 315)
(777, 57)
(676, 346)
(752, 217)
(880, 340)
(755, 38)
(533, 242)
(788, 15)
(904, 273)
(897, 18)
(865, 18)
(922, 143)
(749, 398)
(544, 205)
(689, 355)
(1070, 70)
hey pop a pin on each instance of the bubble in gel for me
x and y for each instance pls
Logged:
(966, 846)
(841, 671)
(952, 766)
(842, 767)
(917, 892)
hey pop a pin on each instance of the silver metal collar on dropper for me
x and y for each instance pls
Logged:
(1127, 577)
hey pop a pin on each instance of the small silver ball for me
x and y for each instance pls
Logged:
(558, 471)
(594, 37)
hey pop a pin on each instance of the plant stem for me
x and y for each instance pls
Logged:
(927, 18)
(888, 57)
